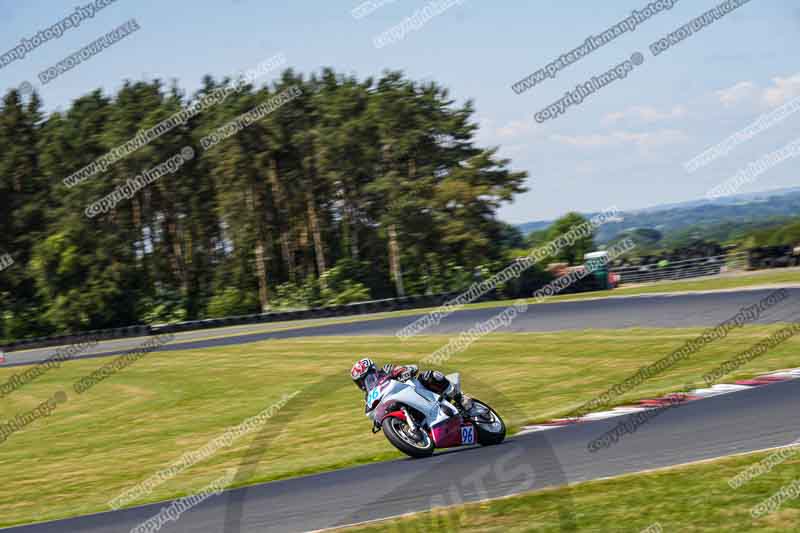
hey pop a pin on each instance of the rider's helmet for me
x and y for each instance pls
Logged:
(364, 370)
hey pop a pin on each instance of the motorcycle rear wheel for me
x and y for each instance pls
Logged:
(415, 445)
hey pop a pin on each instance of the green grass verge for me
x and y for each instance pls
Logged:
(730, 281)
(147, 416)
(694, 498)
(735, 281)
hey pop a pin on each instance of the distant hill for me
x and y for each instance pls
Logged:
(529, 227)
(725, 200)
(750, 209)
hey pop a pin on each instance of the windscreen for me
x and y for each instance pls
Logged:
(370, 380)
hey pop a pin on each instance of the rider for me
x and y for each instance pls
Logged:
(365, 374)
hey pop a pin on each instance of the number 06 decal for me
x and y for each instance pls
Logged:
(467, 435)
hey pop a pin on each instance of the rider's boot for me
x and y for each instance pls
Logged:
(462, 402)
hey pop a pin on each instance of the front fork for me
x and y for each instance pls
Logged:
(376, 427)
(410, 420)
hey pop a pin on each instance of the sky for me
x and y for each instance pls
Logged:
(623, 146)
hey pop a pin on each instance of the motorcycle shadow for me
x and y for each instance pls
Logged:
(456, 449)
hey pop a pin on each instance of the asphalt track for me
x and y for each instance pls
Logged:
(667, 311)
(754, 419)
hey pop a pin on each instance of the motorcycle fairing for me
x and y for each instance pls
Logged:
(453, 432)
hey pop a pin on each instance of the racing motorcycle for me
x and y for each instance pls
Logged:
(416, 420)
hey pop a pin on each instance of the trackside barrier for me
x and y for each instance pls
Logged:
(688, 268)
(707, 266)
(358, 308)
(61, 340)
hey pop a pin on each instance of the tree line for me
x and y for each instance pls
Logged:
(353, 190)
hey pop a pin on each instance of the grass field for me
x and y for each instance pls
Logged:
(734, 281)
(741, 280)
(143, 419)
(694, 498)
(728, 282)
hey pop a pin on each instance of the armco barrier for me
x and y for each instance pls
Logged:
(62, 340)
(689, 268)
(359, 308)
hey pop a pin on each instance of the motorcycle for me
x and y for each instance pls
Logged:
(417, 421)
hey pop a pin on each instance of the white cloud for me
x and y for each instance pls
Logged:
(516, 131)
(643, 140)
(784, 90)
(646, 114)
(748, 93)
(514, 150)
(515, 128)
(744, 90)
(586, 140)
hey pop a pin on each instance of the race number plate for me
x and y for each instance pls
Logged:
(467, 435)
(373, 395)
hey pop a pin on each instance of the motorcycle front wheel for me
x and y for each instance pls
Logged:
(491, 428)
(412, 443)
